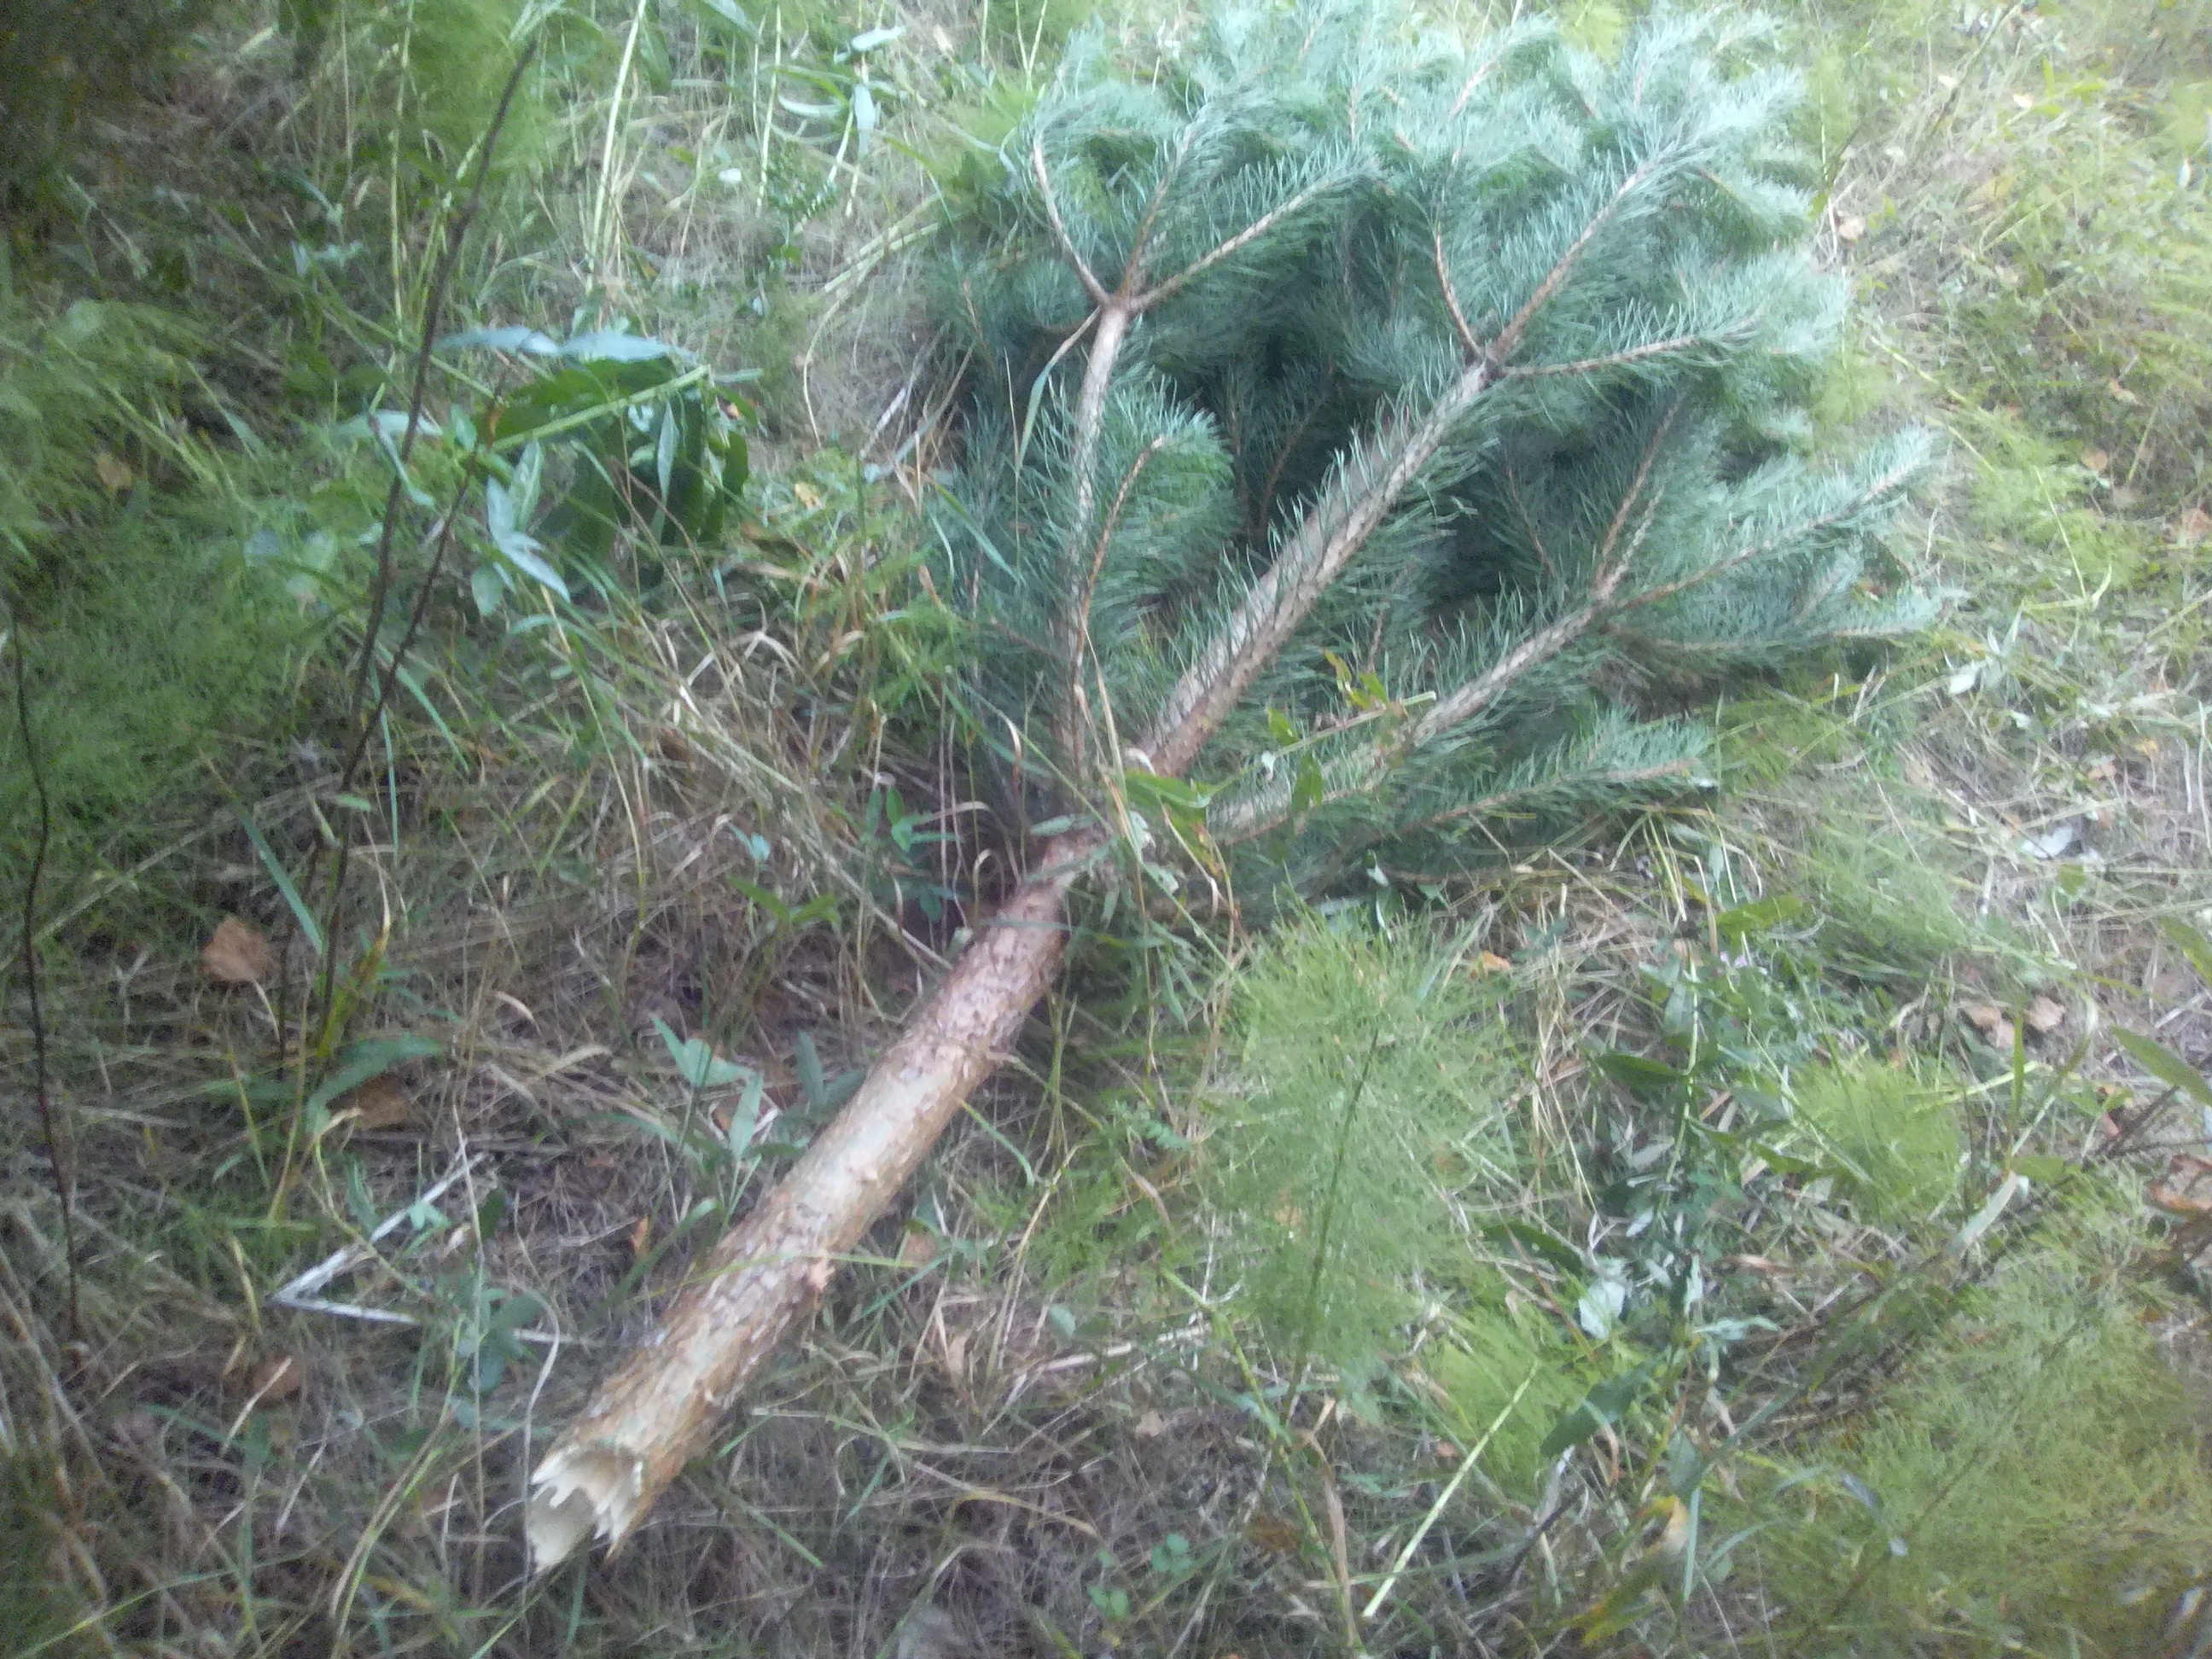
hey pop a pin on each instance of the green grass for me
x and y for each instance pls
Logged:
(1102, 1354)
(2040, 1466)
(1894, 1131)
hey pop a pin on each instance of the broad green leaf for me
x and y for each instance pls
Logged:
(745, 1116)
(1757, 916)
(1600, 1406)
(2192, 943)
(527, 340)
(488, 588)
(364, 1061)
(1639, 1074)
(608, 345)
(2168, 1067)
(696, 1062)
(722, 12)
(809, 1071)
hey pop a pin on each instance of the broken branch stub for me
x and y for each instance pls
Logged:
(660, 1408)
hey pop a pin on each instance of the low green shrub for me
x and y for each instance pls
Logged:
(1367, 1088)
(1894, 1131)
(2036, 1482)
(1510, 1375)
(152, 643)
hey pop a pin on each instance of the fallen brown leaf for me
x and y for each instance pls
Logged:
(1273, 1533)
(1488, 962)
(918, 1248)
(379, 1103)
(237, 953)
(278, 1378)
(641, 1237)
(2185, 1188)
(1849, 228)
(2192, 527)
(2045, 1015)
(1152, 1425)
(1990, 1021)
(2096, 460)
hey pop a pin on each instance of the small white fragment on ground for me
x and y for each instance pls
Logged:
(2053, 841)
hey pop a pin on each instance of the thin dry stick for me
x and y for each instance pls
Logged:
(366, 715)
(54, 1133)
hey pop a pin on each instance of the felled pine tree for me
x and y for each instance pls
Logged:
(1362, 416)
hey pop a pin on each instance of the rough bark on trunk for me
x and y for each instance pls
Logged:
(660, 1408)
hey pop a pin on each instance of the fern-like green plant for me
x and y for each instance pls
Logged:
(2036, 1482)
(1894, 1132)
(147, 638)
(1508, 1375)
(1366, 1089)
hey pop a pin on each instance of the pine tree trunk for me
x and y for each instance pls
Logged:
(659, 1410)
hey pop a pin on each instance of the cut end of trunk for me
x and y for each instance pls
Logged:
(580, 1492)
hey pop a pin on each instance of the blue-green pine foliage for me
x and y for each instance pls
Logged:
(1459, 428)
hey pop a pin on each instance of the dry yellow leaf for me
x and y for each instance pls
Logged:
(2045, 1015)
(2192, 527)
(1849, 228)
(2096, 460)
(115, 476)
(1488, 962)
(918, 1248)
(641, 1239)
(1152, 1425)
(236, 954)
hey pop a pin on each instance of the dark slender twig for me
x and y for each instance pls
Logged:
(55, 1133)
(366, 715)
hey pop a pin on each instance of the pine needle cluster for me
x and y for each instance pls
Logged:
(1377, 427)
